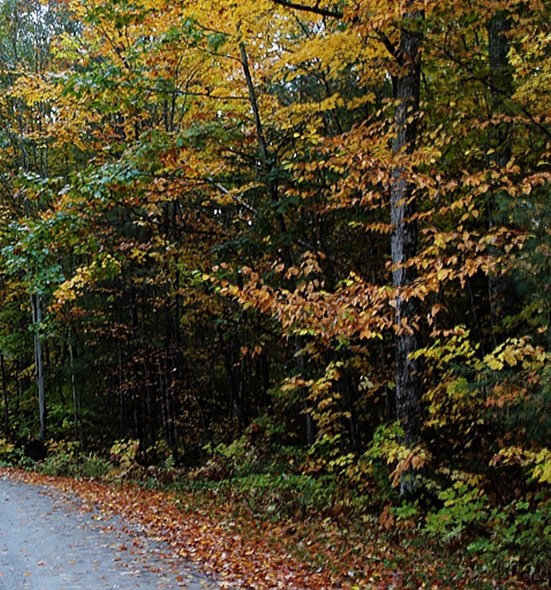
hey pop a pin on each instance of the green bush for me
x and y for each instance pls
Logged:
(288, 495)
(66, 459)
(278, 496)
(93, 467)
(510, 539)
(13, 456)
(464, 511)
(227, 461)
(518, 539)
(62, 458)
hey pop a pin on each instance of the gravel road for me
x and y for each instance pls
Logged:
(46, 543)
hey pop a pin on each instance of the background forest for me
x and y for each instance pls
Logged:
(303, 244)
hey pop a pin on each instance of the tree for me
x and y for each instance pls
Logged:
(27, 155)
(404, 237)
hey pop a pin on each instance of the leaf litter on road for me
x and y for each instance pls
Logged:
(248, 553)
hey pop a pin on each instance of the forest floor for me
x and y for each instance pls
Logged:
(157, 539)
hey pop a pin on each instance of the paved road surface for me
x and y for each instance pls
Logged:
(47, 544)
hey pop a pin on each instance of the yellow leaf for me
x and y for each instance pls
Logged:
(508, 356)
(493, 363)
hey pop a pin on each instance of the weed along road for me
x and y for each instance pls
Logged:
(48, 543)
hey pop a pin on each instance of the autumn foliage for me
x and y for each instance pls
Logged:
(288, 238)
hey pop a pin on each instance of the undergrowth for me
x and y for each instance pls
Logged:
(330, 522)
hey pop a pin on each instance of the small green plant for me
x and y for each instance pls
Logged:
(93, 467)
(240, 455)
(464, 511)
(13, 456)
(169, 464)
(66, 459)
(63, 458)
(124, 457)
(227, 461)
(406, 514)
(124, 453)
(518, 539)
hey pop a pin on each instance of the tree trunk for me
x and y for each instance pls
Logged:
(500, 288)
(268, 161)
(79, 435)
(5, 397)
(36, 305)
(404, 244)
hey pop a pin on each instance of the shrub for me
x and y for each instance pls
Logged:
(518, 539)
(510, 539)
(62, 458)
(10, 455)
(66, 459)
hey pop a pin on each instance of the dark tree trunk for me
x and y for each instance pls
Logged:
(500, 287)
(268, 161)
(36, 305)
(404, 244)
(5, 397)
(79, 433)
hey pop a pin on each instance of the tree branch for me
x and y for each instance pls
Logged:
(390, 47)
(337, 14)
(312, 9)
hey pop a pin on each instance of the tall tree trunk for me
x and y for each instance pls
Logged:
(501, 85)
(268, 161)
(36, 305)
(309, 426)
(5, 397)
(404, 243)
(79, 435)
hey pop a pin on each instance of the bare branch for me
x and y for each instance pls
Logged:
(337, 14)
(312, 9)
